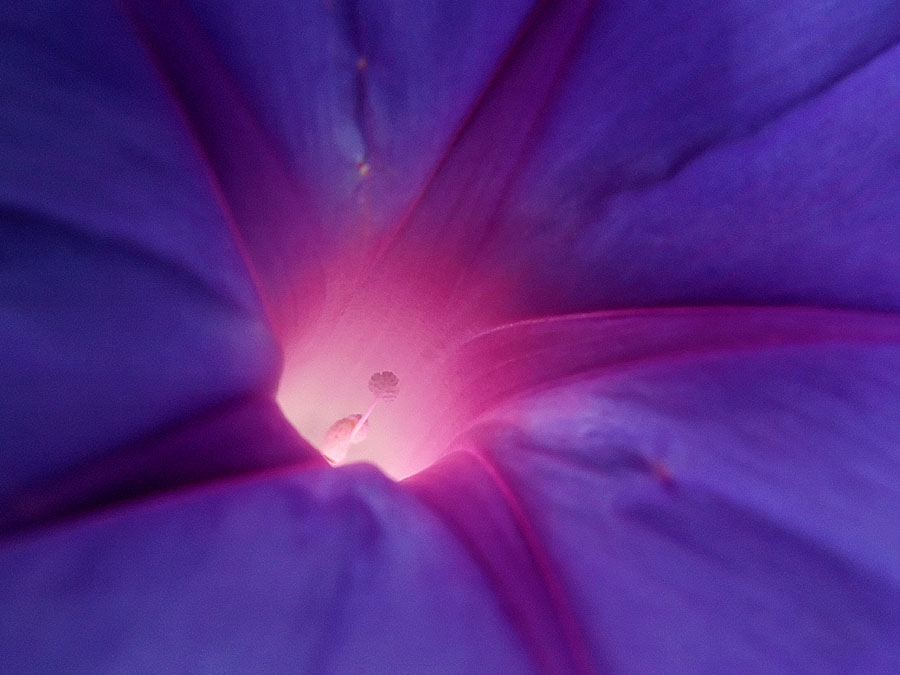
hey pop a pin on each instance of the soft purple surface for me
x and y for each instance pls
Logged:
(726, 507)
(126, 304)
(698, 485)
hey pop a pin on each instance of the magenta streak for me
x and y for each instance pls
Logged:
(218, 190)
(476, 108)
(261, 142)
(528, 370)
(565, 614)
(465, 123)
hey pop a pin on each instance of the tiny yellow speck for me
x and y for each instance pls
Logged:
(362, 63)
(363, 168)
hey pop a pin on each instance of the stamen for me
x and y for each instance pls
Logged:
(353, 429)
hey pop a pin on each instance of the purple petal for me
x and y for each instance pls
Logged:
(649, 491)
(126, 303)
(736, 153)
(700, 504)
(338, 572)
(672, 156)
(323, 121)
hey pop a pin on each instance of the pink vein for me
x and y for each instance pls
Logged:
(466, 122)
(158, 63)
(564, 612)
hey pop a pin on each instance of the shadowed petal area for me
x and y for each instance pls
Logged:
(749, 156)
(335, 572)
(324, 120)
(724, 508)
(738, 160)
(424, 66)
(240, 437)
(547, 143)
(125, 303)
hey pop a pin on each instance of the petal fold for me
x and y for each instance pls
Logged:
(723, 508)
(331, 571)
(736, 161)
(125, 302)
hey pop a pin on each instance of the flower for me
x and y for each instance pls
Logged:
(635, 264)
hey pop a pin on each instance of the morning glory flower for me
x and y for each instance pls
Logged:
(632, 269)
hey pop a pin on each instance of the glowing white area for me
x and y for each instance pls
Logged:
(316, 394)
(406, 310)
(327, 372)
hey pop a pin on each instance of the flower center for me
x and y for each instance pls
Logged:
(354, 429)
(324, 393)
(406, 317)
